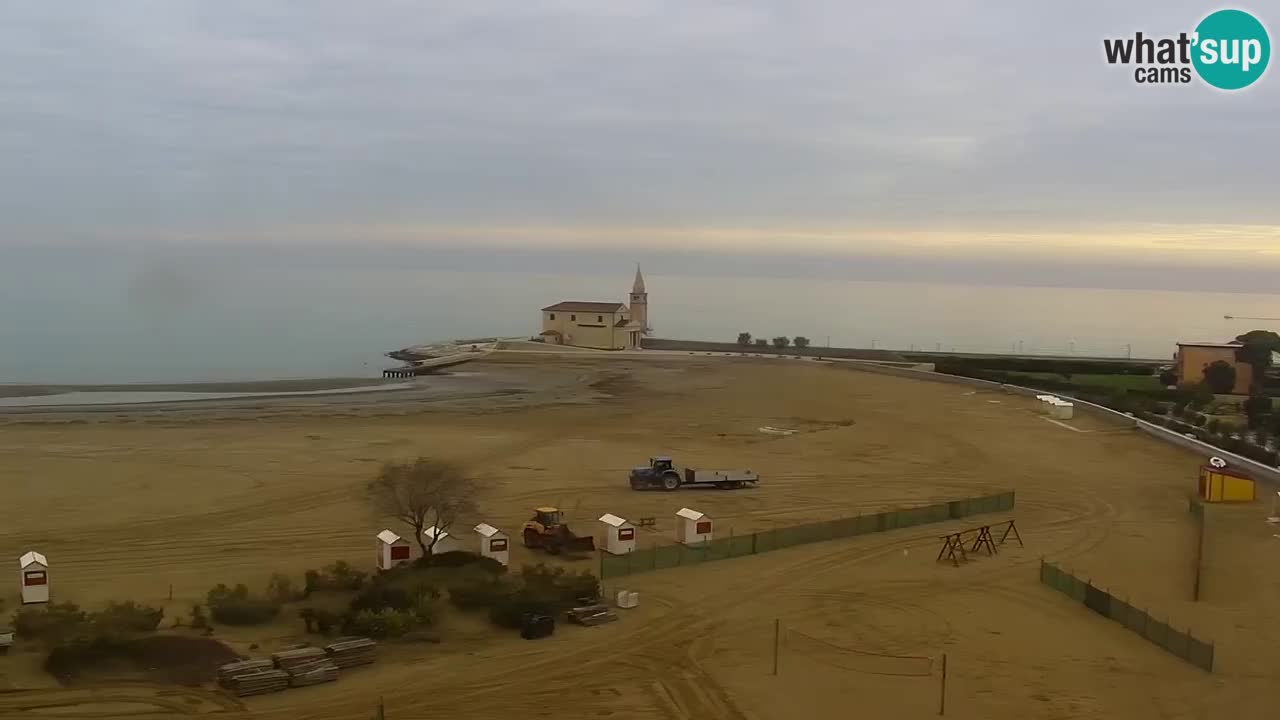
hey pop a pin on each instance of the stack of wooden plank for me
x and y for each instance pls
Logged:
(258, 683)
(287, 660)
(229, 672)
(591, 615)
(349, 652)
(312, 673)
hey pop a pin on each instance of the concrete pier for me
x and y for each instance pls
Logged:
(430, 365)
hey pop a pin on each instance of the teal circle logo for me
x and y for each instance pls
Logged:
(1231, 49)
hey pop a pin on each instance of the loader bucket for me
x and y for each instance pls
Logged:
(576, 543)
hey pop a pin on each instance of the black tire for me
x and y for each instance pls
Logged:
(670, 482)
(637, 484)
(553, 548)
(532, 539)
(726, 485)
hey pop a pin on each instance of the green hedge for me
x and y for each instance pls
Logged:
(1045, 365)
(1122, 399)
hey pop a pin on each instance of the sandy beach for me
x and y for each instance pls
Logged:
(132, 501)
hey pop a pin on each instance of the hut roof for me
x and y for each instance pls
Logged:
(611, 519)
(32, 557)
(487, 530)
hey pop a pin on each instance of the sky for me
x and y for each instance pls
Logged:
(958, 133)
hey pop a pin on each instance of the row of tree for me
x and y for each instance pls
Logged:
(781, 342)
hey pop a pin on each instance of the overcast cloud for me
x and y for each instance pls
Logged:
(518, 122)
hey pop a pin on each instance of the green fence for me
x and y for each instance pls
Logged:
(668, 556)
(1182, 644)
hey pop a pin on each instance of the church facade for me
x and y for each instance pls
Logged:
(599, 325)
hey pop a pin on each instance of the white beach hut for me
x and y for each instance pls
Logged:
(393, 550)
(33, 575)
(692, 527)
(619, 535)
(444, 542)
(494, 543)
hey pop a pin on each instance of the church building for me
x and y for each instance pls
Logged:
(600, 325)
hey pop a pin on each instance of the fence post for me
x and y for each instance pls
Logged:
(777, 640)
(942, 692)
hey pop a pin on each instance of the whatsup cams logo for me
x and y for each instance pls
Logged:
(1229, 50)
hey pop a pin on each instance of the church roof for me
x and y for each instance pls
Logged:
(638, 285)
(588, 307)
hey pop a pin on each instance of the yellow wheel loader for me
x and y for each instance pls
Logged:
(546, 530)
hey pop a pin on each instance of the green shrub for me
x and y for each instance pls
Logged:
(198, 619)
(245, 611)
(424, 612)
(235, 606)
(479, 594)
(319, 620)
(337, 576)
(326, 621)
(128, 617)
(280, 588)
(398, 589)
(1256, 408)
(462, 558)
(1201, 396)
(54, 623)
(509, 611)
(567, 587)
(380, 624)
(380, 597)
(536, 589)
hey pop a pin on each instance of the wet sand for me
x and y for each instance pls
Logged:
(247, 386)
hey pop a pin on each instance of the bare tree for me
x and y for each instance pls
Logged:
(425, 493)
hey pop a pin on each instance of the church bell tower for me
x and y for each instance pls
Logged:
(640, 303)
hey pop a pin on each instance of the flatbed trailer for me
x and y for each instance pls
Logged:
(720, 478)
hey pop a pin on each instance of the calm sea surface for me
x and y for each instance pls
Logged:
(165, 324)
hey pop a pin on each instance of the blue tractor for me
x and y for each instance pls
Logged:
(660, 473)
